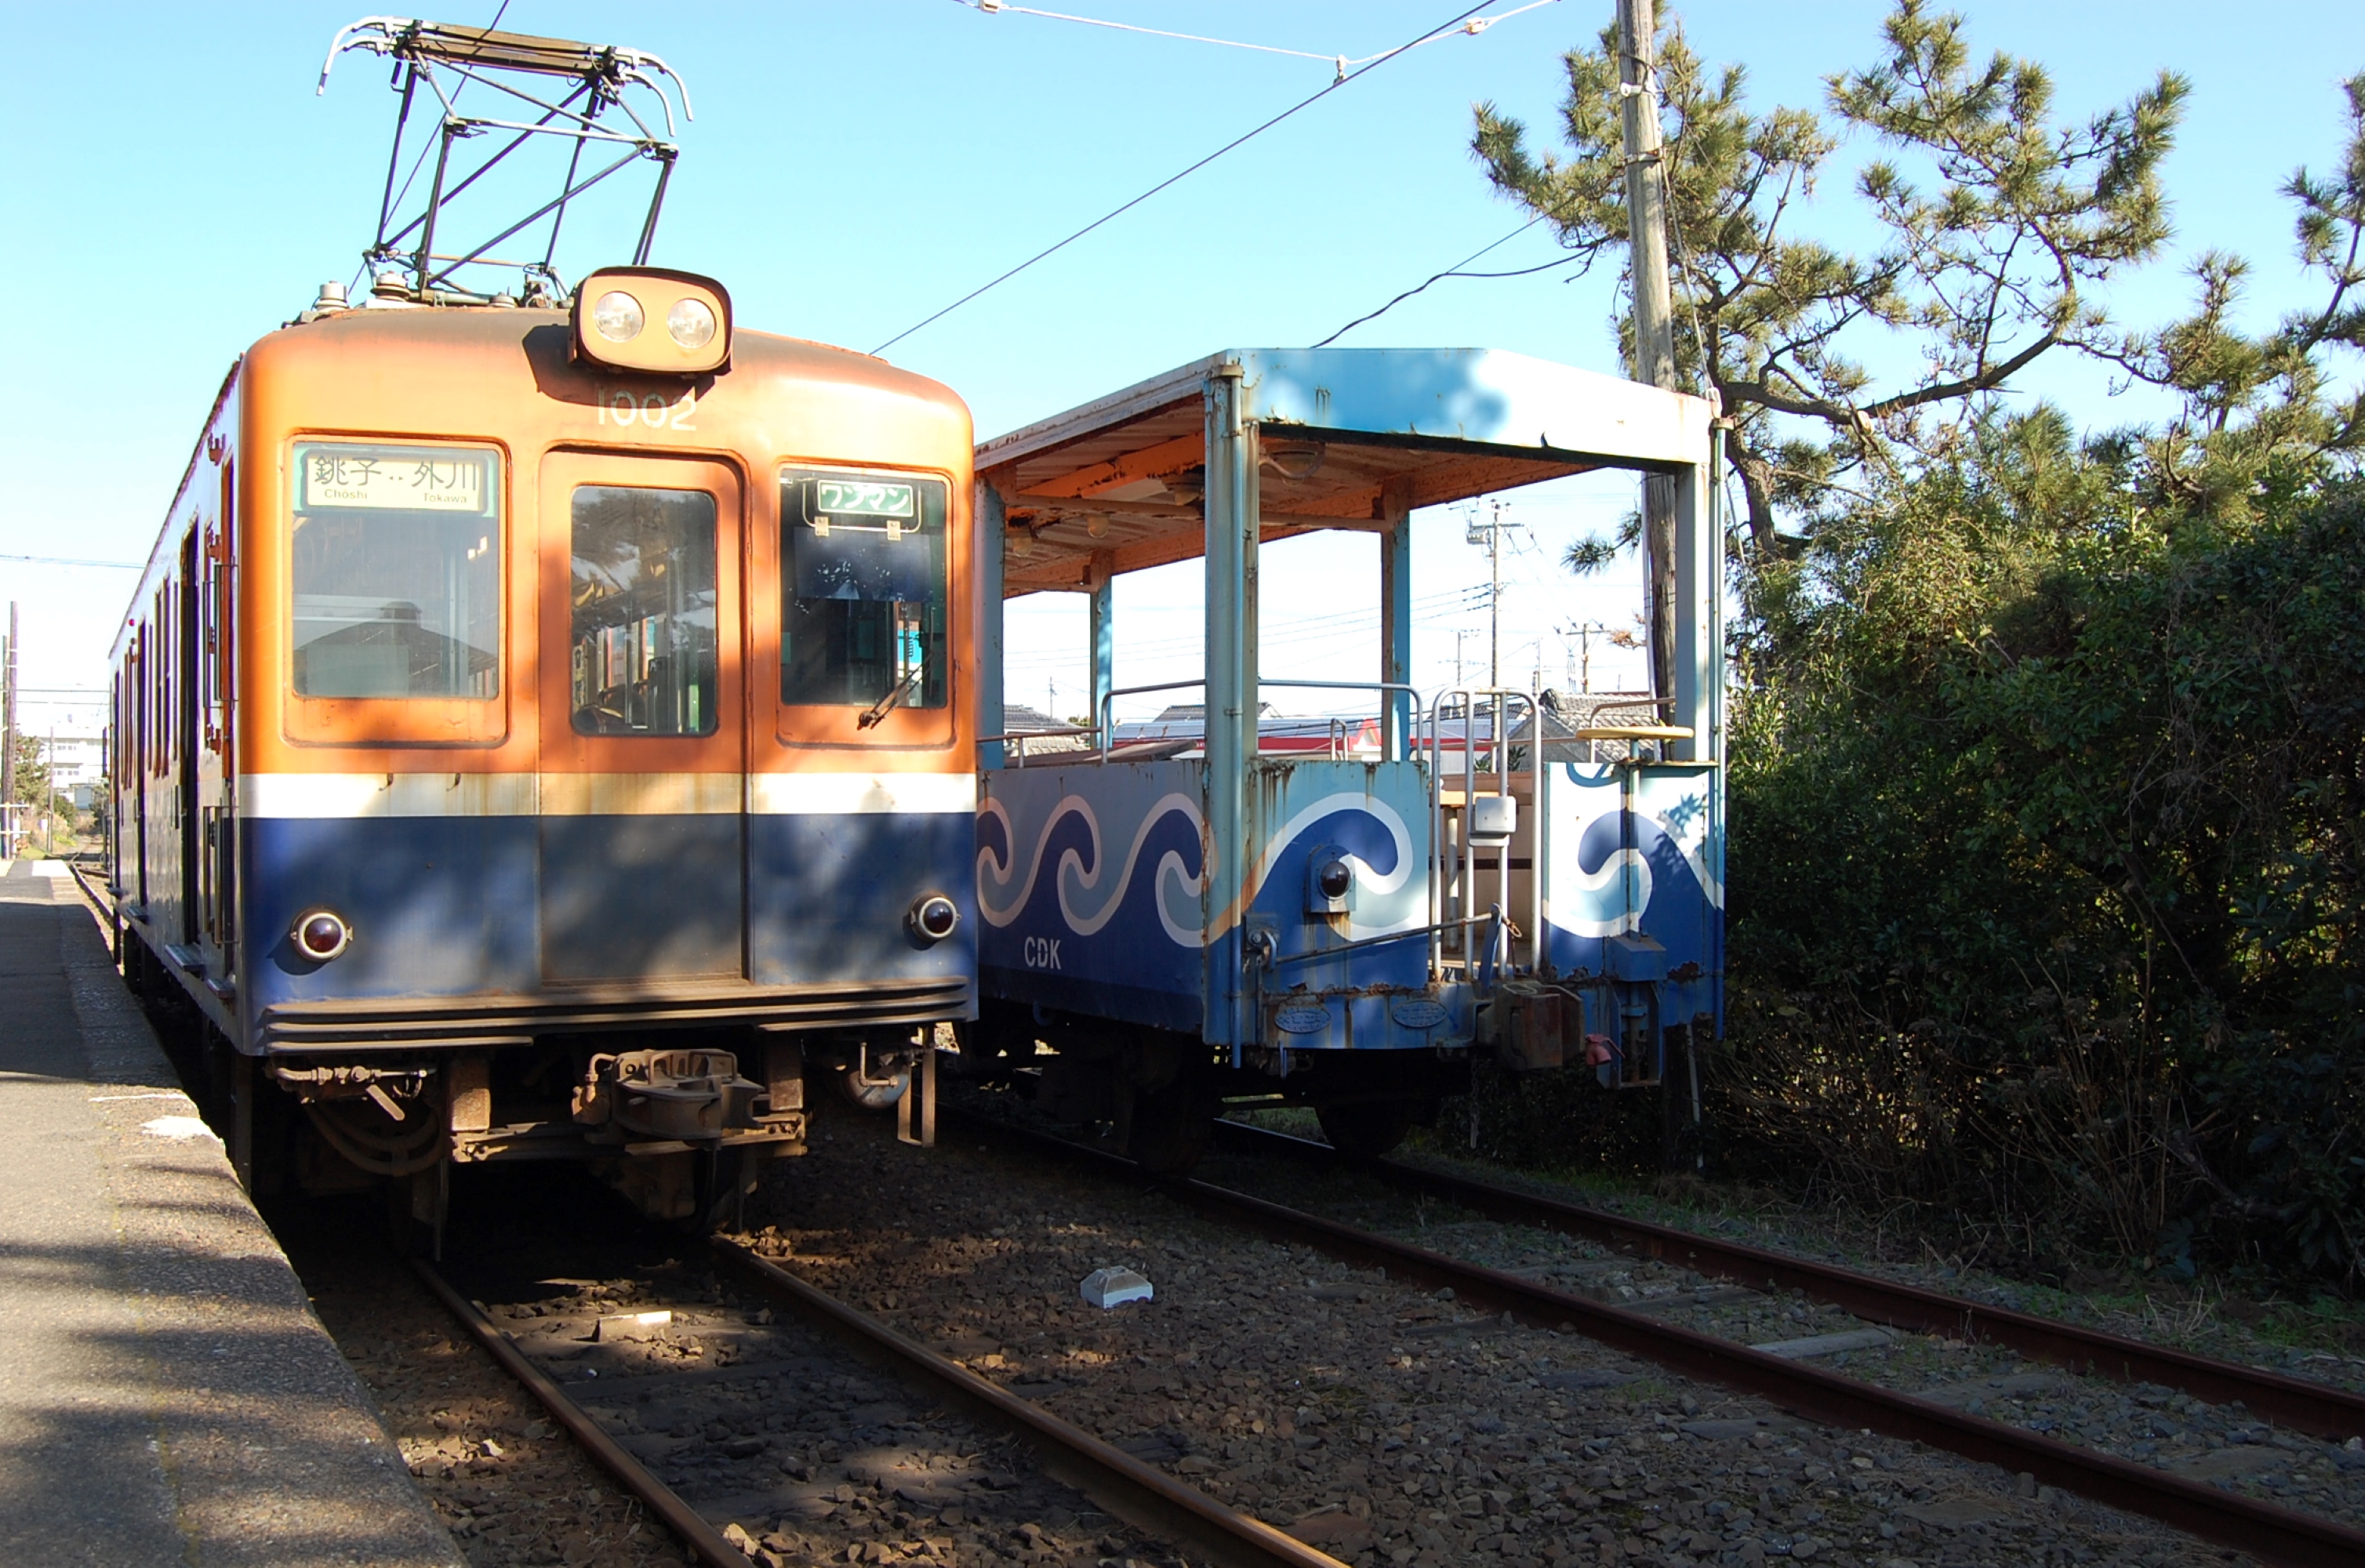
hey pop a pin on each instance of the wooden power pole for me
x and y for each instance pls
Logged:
(8, 813)
(1655, 336)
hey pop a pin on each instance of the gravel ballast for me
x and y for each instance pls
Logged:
(1383, 1424)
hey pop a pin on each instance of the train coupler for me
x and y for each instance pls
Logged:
(677, 1093)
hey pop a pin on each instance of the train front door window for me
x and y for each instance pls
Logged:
(396, 568)
(641, 659)
(862, 591)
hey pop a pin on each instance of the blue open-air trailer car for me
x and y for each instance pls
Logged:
(1218, 912)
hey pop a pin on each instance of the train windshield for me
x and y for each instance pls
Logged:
(862, 590)
(396, 567)
(641, 658)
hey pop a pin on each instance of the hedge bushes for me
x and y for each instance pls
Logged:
(2045, 865)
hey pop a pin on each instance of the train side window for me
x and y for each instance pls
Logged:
(862, 590)
(395, 566)
(641, 656)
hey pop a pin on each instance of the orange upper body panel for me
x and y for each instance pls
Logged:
(502, 379)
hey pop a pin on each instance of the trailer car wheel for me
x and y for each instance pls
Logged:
(1171, 1129)
(994, 1045)
(1366, 1129)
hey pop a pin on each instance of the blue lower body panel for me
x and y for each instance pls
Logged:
(1633, 894)
(1089, 882)
(827, 895)
(507, 926)
(439, 907)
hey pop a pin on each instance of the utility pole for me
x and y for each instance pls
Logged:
(8, 741)
(50, 812)
(1494, 599)
(1585, 630)
(1493, 529)
(1654, 337)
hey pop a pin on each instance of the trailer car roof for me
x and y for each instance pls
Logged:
(1350, 436)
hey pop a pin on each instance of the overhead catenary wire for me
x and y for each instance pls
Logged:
(1355, 76)
(1339, 62)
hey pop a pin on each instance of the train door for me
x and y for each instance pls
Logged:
(217, 771)
(644, 731)
(138, 702)
(187, 772)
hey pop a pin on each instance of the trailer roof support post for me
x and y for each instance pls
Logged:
(991, 528)
(1102, 630)
(1231, 703)
(1395, 619)
(1699, 653)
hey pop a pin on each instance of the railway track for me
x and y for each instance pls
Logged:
(632, 1375)
(2268, 1532)
(2313, 1407)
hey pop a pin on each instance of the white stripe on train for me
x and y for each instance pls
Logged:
(337, 796)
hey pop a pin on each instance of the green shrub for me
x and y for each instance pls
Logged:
(2045, 866)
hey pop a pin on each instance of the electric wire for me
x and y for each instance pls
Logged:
(1340, 61)
(1355, 76)
(1456, 271)
(73, 561)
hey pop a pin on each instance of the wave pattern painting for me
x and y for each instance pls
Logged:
(1093, 875)
(1623, 865)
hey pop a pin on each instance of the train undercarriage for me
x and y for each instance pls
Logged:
(679, 1123)
(1155, 1095)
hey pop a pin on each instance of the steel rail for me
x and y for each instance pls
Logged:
(2312, 1407)
(663, 1501)
(1137, 1493)
(103, 900)
(2271, 1534)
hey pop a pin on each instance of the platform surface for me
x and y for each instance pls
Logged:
(166, 1395)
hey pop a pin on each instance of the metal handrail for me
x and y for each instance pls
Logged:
(1314, 956)
(1022, 737)
(1109, 697)
(1498, 734)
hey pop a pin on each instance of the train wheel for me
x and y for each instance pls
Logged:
(1366, 1129)
(1171, 1129)
(721, 1180)
(418, 1210)
(867, 1093)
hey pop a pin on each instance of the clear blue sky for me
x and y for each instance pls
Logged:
(856, 164)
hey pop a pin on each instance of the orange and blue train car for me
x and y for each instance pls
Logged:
(542, 728)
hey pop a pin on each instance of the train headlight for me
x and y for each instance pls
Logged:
(1329, 883)
(933, 918)
(321, 934)
(617, 317)
(690, 322)
(615, 304)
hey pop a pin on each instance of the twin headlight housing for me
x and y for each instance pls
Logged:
(652, 319)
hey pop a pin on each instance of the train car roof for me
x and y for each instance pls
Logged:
(542, 331)
(1347, 433)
